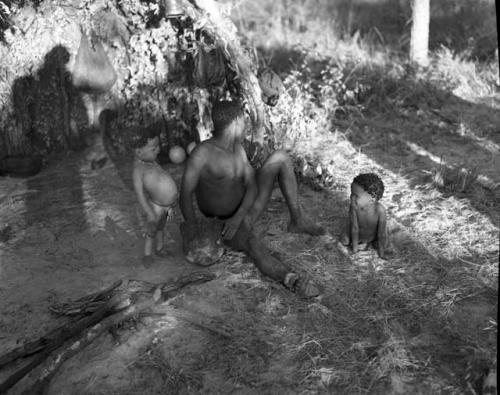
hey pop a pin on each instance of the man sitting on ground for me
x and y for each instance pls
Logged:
(226, 187)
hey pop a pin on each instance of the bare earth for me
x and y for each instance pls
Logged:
(422, 322)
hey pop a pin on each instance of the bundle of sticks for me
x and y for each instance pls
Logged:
(90, 316)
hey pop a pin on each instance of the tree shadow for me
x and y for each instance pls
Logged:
(51, 118)
(49, 112)
(410, 126)
(423, 133)
(434, 306)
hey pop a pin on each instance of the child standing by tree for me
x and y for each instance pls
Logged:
(155, 189)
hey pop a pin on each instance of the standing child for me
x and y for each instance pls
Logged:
(367, 222)
(155, 189)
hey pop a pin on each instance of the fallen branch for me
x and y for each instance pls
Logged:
(53, 363)
(58, 335)
(121, 303)
(87, 304)
(66, 332)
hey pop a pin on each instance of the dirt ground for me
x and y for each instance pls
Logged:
(422, 322)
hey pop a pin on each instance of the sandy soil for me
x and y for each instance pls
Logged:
(74, 230)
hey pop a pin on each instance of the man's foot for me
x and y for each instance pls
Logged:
(147, 260)
(164, 253)
(301, 285)
(303, 225)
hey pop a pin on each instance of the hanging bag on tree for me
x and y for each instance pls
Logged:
(209, 67)
(271, 86)
(93, 70)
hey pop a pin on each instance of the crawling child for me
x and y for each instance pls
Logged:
(155, 189)
(367, 222)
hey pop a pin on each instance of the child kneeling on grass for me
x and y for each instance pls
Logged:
(367, 222)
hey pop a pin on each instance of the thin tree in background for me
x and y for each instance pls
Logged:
(419, 43)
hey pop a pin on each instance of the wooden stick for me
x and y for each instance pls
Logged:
(66, 332)
(87, 304)
(135, 296)
(89, 335)
(35, 346)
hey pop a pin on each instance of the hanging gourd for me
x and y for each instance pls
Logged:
(209, 66)
(271, 86)
(93, 71)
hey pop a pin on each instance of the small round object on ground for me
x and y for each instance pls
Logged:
(190, 147)
(177, 154)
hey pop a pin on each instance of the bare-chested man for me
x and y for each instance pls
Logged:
(155, 190)
(367, 221)
(226, 187)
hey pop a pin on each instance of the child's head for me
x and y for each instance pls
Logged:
(224, 113)
(146, 144)
(366, 188)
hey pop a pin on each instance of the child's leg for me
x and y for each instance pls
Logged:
(163, 216)
(387, 247)
(147, 259)
(154, 232)
(345, 236)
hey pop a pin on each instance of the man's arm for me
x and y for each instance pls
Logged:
(232, 224)
(139, 191)
(354, 228)
(381, 231)
(190, 180)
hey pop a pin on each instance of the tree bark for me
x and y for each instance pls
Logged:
(419, 42)
(211, 17)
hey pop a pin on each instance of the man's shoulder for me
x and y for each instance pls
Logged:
(205, 146)
(201, 153)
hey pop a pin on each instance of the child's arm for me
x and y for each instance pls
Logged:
(190, 180)
(139, 191)
(354, 228)
(381, 231)
(232, 224)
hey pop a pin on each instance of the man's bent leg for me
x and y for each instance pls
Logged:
(246, 241)
(279, 165)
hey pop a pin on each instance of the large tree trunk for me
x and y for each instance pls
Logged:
(419, 44)
(215, 20)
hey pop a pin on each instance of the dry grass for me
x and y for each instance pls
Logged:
(396, 326)
(423, 321)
